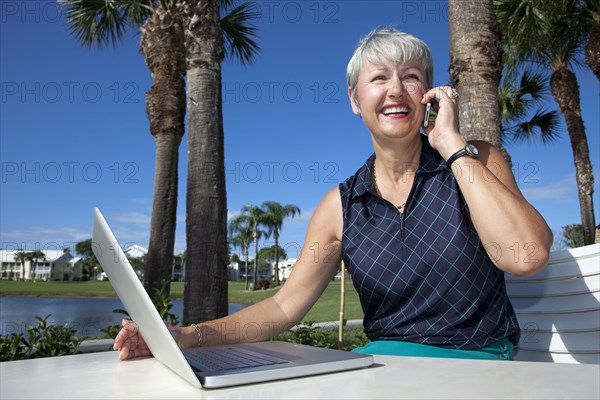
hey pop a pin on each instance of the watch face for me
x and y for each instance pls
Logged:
(472, 150)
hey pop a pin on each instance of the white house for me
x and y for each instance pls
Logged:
(136, 251)
(70, 271)
(285, 268)
(55, 265)
(60, 265)
(237, 270)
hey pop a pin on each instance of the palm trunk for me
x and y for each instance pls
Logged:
(246, 264)
(164, 52)
(475, 67)
(565, 89)
(205, 295)
(276, 237)
(255, 260)
(159, 260)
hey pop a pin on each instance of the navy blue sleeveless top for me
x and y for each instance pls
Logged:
(423, 276)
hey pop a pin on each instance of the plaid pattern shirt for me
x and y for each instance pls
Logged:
(423, 276)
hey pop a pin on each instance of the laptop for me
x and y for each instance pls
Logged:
(215, 366)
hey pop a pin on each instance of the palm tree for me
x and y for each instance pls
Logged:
(90, 263)
(549, 34)
(572, 235)
(21, 257)
(275, 214)
(517, 101)
(475, 67)
(257, 218)
(102, 23)
(240, 230)
(34, 257)
(206, 202)
(163, 48)
(181, 258)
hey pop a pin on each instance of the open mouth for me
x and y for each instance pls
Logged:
(395, 111)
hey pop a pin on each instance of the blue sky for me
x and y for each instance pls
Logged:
(74, 132)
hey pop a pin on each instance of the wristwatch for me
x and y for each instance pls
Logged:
(468, 150)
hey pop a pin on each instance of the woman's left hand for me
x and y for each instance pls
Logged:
(444, 135)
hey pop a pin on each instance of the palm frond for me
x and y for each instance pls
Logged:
(238, 32)
(510, 105)
(239, 223)
(571, 30)
(544, 125)
(522, 118)
(592, 9)
(545, 32)
(137, 11)
(534, 85)
(102, 23)
(227, 4)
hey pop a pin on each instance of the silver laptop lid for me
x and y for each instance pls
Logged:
(136, 301)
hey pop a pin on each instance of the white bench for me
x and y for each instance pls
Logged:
(559, 308)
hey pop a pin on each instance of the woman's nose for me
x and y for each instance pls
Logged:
(395, 89)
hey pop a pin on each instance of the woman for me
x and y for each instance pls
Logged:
(427, 228)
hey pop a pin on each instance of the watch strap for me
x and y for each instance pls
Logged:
(460, 153)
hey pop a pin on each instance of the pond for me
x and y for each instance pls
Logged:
(87, 315)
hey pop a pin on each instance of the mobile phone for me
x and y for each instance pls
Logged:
(427, 112)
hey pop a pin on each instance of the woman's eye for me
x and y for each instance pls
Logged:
(411, 78)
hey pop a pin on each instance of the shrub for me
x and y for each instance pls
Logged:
(111, 331)
(41, 341)
(263, 284)
(163, 303)
(311, 335)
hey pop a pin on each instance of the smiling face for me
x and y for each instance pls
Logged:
(388, 97)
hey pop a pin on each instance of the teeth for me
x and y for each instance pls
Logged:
(395, 110)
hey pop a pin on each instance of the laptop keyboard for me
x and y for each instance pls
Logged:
(230, 359)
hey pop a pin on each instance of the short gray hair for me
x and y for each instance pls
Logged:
(393, 45)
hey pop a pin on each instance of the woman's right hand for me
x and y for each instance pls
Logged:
(130, 343)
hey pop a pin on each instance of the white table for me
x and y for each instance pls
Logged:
(102, 376)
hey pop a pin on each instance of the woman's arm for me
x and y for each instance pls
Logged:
(515, 235)
(318, 263)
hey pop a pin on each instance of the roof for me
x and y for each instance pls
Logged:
(136, 251)
(8, 256)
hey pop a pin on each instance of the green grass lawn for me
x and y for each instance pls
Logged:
(326, 309)
(67, 289)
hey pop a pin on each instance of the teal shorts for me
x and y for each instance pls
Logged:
(501, 350)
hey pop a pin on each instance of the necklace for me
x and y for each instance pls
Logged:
(399, 207)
